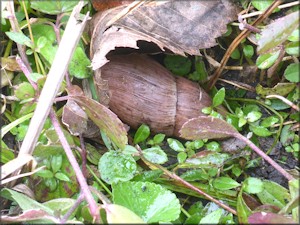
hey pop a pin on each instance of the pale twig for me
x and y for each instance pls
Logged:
(15, 27)
(72, 209)
(56, 74)
(257, 13)
(286, 101)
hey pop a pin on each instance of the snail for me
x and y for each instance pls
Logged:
(142, 91)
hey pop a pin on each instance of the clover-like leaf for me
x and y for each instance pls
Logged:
(115, 167)
(292, 73)
(152, 202)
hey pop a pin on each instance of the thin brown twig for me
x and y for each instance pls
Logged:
(238, 40)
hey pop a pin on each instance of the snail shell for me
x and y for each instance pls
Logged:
(143, 91)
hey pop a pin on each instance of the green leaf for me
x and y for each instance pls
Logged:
(130, 150)
(23, 201)
(150, 201)
(177, 64)
(198, 144)
(242, 122)
(224, 183)
(105, 119)
(35, 76)
(294, 37)
(56, 163)
(150, 175)
(45, 173)
(175, 145)
(265, 61)
(235, 54)
(243, 211)
(60, 204)
(141, 134)
(193, 175)
(24, 91)
(207, 110)
(155, 155)
(213, 146)
(181, 157)
(79, 66)
(273, 194)
(19, 38)
(205, 159)
(253, 116)
(277, 32)
(62, 177)
(53, 188)
(282, 89)
(250, 108)
(294, 190)
(121, 215)
(287, 135)
(219, 97)
(212, 218)
(41, 42)
(53, 7)
(260, 131)
(269, 121)
(292, 73)
(248, 51)
(115, 167)
(293, 49)
(261, 5)
(51, 183)
(252, 185)
(158, 138)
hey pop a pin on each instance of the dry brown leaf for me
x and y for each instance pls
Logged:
(74, 118)
(179, 26)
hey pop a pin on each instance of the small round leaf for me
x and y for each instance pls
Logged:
(152, 202)
(24, 91)
(114, 167)
(292, 73)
